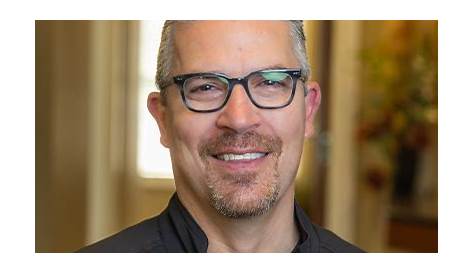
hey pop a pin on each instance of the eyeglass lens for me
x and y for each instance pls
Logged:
(267, 89)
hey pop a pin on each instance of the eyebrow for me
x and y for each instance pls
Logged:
(277, 66)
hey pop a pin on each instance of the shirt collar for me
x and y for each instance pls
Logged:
(193, 239)
(188, 236)
(309, 240)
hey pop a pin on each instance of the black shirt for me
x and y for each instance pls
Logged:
(175, 230)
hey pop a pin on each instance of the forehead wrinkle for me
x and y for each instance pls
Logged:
(278, 66)
(242, 41)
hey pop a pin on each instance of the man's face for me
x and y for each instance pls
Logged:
(240, 159)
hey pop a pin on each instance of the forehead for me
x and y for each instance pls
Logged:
(232, 47)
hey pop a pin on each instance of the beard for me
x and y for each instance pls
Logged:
(243, 194)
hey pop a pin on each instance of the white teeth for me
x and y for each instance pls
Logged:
(236, 157)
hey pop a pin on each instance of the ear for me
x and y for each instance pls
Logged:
(158, 111)
(312, 101)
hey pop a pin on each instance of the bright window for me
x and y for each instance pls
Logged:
(153, 160)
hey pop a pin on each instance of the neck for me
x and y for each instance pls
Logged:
(274, 231)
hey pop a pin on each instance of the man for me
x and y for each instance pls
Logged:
(234, 109)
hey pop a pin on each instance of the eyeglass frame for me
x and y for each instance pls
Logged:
(295, 75)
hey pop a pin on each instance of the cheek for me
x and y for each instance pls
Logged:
(182, 127)
(188, 131)
(290, 127)
(294, 135)
(289, 124)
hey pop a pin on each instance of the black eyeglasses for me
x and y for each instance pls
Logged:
(267, 89)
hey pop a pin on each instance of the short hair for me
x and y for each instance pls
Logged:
(165, 53)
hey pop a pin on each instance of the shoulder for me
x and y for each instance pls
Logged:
(142, 237)
(330, 242)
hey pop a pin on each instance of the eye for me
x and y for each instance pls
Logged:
(270, 83)
(205, 87)
(270, 79)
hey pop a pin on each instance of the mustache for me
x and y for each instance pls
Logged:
(249, 139)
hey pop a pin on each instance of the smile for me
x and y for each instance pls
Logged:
(239, 157)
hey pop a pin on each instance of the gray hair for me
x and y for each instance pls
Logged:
(165, 53)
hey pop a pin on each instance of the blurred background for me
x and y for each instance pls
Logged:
(369, 174)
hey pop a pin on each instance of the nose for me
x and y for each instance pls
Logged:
(239, 114)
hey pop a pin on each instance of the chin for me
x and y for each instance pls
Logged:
(243, 197)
